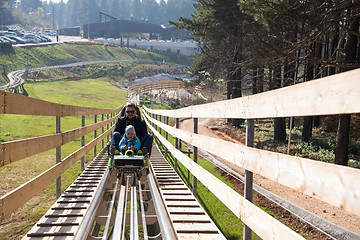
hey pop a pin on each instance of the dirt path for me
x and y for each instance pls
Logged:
(333, 214)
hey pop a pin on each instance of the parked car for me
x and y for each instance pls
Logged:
(9, 39)
(48, 32)
(31, 39)
(4, 40)
(44, 38)
(8, 34)
(18, 40)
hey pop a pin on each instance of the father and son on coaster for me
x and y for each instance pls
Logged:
(131, 133)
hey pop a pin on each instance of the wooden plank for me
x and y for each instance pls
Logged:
(242, 208)
(329, 182)
(63, 218)
(336, 94)
(16, 198)
(19, 104)
(16, 150)
(198, 236)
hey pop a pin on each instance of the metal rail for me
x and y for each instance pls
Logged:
(103, 202)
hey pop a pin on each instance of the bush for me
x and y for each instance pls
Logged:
(6, 48)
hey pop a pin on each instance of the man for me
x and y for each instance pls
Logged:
(131, 118)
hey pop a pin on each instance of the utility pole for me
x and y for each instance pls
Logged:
(2, 19)
(53, 16)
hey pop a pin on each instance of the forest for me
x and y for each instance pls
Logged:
(276, 44)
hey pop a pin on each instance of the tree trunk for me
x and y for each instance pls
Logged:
(342, 141)
(343, 135)
(279, 129)
(279, 123)
(261, 80)
(307, 129)
(255, 81)
(307, 125)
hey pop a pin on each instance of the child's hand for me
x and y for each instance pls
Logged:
(133, 148)
(125, 148)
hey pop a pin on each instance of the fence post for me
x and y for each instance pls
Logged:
(176, 145)
(166, 120)
(167, 123)
(58, 158)
(102, 130)
(107, 137)
(248, 174)
(195, 150)
(82, 143)
(95, 121)
(160, 119)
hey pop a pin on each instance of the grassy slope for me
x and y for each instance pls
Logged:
(57, 54)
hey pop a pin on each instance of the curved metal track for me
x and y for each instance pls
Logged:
(108, 203)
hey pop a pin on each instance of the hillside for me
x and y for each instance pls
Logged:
(57, 54)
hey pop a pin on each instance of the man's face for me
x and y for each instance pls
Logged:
(130, 112)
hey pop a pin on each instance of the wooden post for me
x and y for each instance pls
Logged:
(58, 158)
(290, 131)
(160, 119)
(107, 138)
(95, 133)
(176, 145)
(248, 174)
(195, 150)
(102, 131)
(167, 123)
(166, 135)
(82, 143)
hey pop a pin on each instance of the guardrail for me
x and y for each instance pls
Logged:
(334, 184)
(13, 151)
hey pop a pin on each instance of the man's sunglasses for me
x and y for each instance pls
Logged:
(130, 111)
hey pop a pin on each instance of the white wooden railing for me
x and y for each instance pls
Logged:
(334, 184)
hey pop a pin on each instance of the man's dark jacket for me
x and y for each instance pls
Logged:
(138, 123)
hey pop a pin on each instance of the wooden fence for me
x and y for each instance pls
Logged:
(13, 151)
(172, 84)
(334, 184)
(149, 86)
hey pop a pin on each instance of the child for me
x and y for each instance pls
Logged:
(130, 140)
